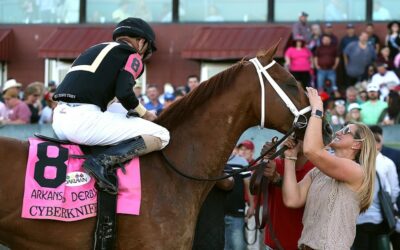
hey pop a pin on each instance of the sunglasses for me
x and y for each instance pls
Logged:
(347, 131)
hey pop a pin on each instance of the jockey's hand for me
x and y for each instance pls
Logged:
(150, 116)
(267, 146)
(270, 170)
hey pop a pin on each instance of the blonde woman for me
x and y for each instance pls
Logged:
(338, 189)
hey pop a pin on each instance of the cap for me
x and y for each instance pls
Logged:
(169, 97)
(247, 144)
(352, 106)
(350, 26)
(373, 87)
(381, 64)
(11, 93)
(298, 38)
(303, 13)
(340, 102)
(328, 25)
(11, 84)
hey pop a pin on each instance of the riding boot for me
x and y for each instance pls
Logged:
(99, 166)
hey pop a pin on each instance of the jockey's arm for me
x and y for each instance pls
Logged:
(124, 93)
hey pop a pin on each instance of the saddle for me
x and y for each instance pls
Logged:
(105, 232)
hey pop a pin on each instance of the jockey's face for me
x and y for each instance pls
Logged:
(139, 44)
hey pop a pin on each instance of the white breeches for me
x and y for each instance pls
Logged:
(86, 124)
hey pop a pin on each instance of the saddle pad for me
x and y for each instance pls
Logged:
(57, 187)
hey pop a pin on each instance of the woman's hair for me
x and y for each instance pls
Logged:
(366, 157)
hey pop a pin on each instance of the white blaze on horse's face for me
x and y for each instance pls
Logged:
(263, 70)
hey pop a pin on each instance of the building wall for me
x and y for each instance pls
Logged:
(166, 65)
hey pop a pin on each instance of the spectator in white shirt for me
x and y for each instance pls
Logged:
(386, 79)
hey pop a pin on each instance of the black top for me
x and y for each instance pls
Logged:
(235, 203)
(210, 227)
(99, 74)
(34, 113)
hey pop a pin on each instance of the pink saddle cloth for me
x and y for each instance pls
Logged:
(57, 187)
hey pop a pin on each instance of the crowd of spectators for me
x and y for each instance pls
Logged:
(30, 105)
(370, 70)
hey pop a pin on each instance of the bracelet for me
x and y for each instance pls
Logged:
(292, 158)
(316, 116)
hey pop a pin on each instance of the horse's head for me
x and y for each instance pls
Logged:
(284, 97)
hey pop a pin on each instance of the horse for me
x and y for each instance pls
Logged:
(204, 127)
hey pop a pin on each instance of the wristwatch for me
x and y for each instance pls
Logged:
(317, 113)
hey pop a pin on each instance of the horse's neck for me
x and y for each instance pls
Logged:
(207, 138)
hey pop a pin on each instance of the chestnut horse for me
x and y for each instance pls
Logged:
(204, 127)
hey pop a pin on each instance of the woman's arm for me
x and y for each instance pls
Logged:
(339, 168)
(294, 194)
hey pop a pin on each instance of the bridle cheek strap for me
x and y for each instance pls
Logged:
(262, 70)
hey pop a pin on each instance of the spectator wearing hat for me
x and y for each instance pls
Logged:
(235, 204)
(298, 60)
(373, 39)
(353, 113)
(46, 117)
(18, 111)
(357, 56)
(385, 79)
(326, 60)
(392, 39)
(328, 30)
(372, 109)
(11, 84)
(302, 28)
(349, 37)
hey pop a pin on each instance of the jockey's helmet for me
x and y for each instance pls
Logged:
(136, 27)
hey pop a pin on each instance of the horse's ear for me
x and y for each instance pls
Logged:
(275, 47)
(269, 54)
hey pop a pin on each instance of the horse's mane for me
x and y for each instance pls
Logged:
(181, 109)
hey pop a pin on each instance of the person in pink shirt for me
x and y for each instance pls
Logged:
(18, 111)
(298, 59)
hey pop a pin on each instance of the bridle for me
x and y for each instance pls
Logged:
(261, 70)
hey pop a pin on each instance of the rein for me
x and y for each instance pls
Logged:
(249, 167)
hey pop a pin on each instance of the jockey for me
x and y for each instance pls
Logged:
(101, 73)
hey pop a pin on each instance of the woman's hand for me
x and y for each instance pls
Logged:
(293, 147)
(315, 99)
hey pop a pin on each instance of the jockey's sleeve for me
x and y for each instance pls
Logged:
(125, 82)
